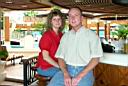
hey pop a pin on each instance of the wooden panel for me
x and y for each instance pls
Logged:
(111, 75)
(23, 4)
(7, 31)
(95, 6)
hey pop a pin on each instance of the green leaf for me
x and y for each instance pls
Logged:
(121, 31)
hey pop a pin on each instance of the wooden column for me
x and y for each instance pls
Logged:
(108, 30)
(105, 31)
(1, 17)
(85, 22)
(0, 37)
(97, 29)
(7, 31)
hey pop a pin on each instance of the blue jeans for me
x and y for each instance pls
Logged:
(58, 79)
(48, 72)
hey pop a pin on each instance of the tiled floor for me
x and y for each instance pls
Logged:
(14, 75)
(9, 83)
(15, 71)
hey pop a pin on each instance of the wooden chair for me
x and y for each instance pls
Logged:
(30, 73)
(42, 80)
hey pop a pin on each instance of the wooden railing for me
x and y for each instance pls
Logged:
(29, 74)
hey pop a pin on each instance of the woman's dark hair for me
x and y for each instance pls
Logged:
(53, 13)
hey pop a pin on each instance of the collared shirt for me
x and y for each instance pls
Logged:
(50, 42)
(78, 48)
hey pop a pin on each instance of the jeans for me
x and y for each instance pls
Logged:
(58, 79)
(48, 72)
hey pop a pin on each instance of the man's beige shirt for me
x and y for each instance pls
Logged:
(78, 48)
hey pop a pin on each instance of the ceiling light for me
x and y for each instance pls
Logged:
(24, 6)
(78, 0)
(9, 1)
(102, 8)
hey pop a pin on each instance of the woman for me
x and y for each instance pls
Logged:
(47, 63)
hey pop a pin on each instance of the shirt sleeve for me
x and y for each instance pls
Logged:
(61, 49)
(45, 42)
(95, 47)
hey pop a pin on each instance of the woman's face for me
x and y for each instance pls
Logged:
(56, 22)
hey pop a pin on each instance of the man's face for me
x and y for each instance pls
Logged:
(75, 17)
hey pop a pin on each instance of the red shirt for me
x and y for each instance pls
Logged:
(50, 42)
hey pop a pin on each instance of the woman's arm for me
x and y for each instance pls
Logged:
(47, 58)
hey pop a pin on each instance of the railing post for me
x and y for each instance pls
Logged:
(28, 76)
(25, 62)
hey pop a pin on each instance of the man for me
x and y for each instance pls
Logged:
(78, 54)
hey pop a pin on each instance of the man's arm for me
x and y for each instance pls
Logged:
(91, 65)
(63, 67)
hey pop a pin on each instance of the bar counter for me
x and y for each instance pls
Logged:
(112, 70)
(117, 58)
(23, 51)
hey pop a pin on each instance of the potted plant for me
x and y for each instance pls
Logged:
(3, 56)
(122, 33)
(3, 53)
(39, 26)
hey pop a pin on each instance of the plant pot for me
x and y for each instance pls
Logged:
(2, 71)
(121, 44)
(126, 46)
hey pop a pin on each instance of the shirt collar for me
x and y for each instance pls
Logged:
(79, 30)
(54, 34)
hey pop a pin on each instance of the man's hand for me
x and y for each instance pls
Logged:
(76, 80)
(67, 80)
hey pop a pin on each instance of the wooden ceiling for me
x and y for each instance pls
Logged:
(23, 4)
(105, 7)
(90, 7)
